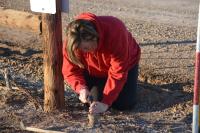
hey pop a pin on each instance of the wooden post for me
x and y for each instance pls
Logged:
(53, 79)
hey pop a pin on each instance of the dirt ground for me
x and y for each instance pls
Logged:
(166, 31)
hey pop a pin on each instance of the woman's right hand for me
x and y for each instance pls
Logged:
(83, 95)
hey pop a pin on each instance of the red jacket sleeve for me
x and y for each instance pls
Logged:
(117, 74)
(73, 74)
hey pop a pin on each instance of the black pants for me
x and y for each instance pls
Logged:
(127, 97)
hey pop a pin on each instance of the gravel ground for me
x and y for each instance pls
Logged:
(166, 31)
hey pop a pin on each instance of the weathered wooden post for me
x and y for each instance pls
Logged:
(52, 38)
(53, 79)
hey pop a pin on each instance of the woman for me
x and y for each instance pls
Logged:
(99, 51)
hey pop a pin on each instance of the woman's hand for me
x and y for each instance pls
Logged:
(83, 95)
(98, 107)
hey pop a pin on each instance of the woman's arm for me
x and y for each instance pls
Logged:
(73, 74)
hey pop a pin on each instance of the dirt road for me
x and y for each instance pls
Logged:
(166, 31)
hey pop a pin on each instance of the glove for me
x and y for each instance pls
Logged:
(98, 107)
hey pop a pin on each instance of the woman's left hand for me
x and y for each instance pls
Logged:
(98, 107)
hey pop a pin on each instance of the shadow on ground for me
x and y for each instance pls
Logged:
(159, 97)
(168, 43)
(27, 52)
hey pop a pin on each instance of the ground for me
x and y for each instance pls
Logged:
(166, 32)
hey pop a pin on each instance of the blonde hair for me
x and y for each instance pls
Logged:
(76, 32)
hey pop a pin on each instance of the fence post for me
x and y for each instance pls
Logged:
(53, 79)
(195, 123)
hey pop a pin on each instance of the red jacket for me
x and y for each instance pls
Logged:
(116, 54)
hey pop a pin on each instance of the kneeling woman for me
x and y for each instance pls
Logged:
(99, 51)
